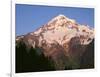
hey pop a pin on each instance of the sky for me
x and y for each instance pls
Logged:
(30, 17)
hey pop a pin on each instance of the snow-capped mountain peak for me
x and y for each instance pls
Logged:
(59, 31)
(61, 39)
(60, 20)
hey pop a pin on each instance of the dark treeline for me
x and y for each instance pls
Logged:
(87, 60)
(31, 60)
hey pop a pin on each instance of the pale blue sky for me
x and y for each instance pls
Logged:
(31, 17)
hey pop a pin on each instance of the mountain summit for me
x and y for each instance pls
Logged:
(60, 39)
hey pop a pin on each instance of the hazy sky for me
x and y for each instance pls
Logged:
(31, 17)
